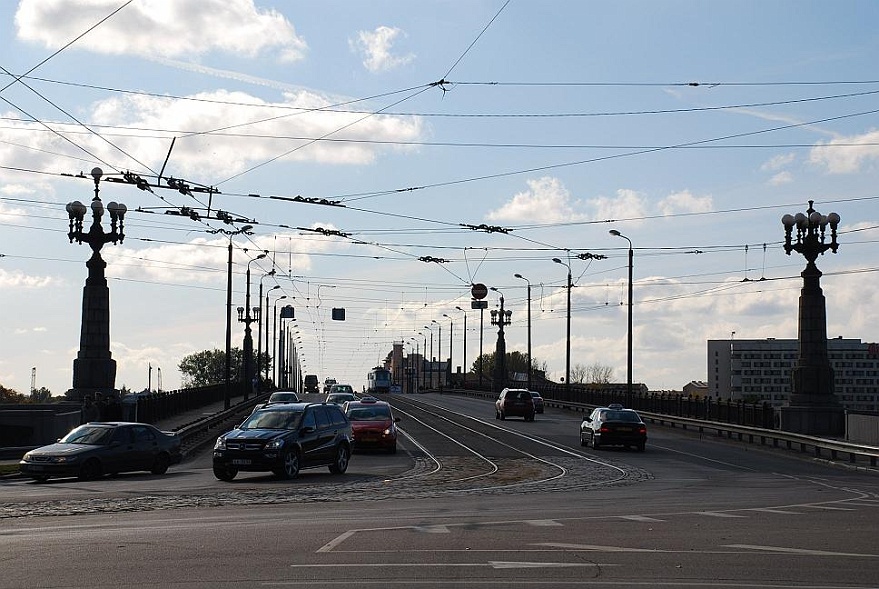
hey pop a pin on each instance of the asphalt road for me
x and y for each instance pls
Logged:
(469, 501)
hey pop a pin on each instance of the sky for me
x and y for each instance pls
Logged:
(390, 154)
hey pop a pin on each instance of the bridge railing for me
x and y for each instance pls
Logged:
(733, 423)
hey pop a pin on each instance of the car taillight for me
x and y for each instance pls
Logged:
(604, 430)
(642, 430)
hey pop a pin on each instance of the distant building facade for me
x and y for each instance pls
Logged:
(760, 370)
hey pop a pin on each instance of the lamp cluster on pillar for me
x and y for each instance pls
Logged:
(500, 317)
(530, 378)
(94, 369)
(813, 407)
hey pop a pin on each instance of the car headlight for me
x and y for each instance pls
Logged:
(275, 444)
(220, 443)
(27, 457)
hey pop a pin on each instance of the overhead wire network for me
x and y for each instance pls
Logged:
(500, 246)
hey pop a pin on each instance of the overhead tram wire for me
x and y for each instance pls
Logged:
(342, 128)
(365, 195)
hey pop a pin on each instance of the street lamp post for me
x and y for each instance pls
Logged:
(94, 369)
(529, 328)
(813, 407)
(464, 368)
(500, 317)
(427, 327)
(568, 338)
(276, 340)
(265, 315)
(629, 392)
(451, 341)
(259, 325)
(244, 316)
(439, 347)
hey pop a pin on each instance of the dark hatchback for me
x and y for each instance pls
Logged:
(613, 426)
(283, 438)
(515, 403)
(98, 448)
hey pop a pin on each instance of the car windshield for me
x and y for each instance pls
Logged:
(268, 419)
(343, 388)
(374, 413)
(629, 416)
(283, 398)
(86, 434)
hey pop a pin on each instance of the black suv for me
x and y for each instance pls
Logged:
(283, 438)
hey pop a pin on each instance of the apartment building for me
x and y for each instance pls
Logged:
(761, 370)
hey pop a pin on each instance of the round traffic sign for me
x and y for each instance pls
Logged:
(478, 291)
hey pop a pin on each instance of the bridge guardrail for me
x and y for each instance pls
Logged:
(817, 446)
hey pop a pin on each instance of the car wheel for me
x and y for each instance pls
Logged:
(42, 478)
(595, 444)
(225, 473)
(289, 467)
(503, 417)
(582, 440)
(642, 446)
(340, 464)
(497, 414)
(91, 470)
(161, 464)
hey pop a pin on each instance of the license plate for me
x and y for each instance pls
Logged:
(624, 429)
(241, 462)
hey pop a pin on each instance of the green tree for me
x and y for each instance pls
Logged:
(209, 367)
(41, 395)
(10, 395)
(516, 362)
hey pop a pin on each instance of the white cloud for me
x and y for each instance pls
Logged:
(781, 178)
(159, 28)
(778, 162)
(546, 201)
(839, 156)
(19, 280)
(375, 48)
(685, 202)
(254, 131)
(627, 204)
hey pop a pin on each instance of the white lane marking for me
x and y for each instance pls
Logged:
(717, 514)
(538, 565)
(691, 455)
(775, 510)
(438, 529)
(543, 523)
(595, 547)
(640, 518)
(496, 564)
(328, 547)
(827, 507)
(798, 550)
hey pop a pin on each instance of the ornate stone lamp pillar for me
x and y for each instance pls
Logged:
(501, 318)
(813, 407)
(94, 370)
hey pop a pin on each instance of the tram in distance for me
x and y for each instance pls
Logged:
(378, 380)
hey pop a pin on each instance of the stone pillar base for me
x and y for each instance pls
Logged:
(813, 420)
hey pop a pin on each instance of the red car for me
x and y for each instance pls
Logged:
(373, 424)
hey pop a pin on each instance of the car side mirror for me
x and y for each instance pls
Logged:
(306, 430)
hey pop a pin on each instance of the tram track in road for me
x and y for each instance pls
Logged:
(484, 456)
